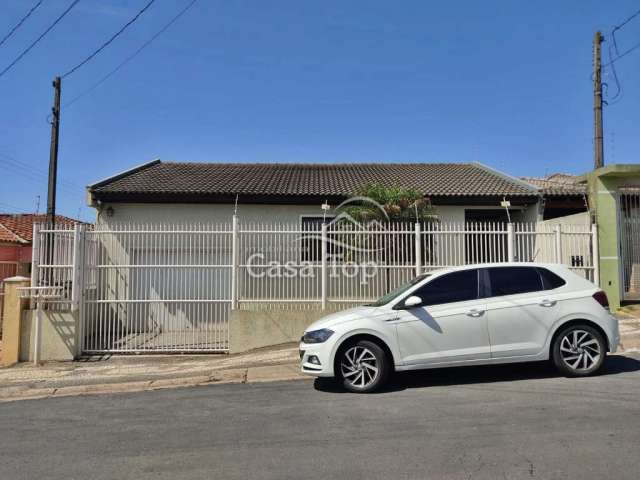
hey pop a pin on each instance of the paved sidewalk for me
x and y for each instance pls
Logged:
(112, 374)
(146, 372)
(629, 318)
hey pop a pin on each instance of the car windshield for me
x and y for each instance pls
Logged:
(393, 294)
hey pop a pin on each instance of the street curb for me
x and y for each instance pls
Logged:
(238, 375)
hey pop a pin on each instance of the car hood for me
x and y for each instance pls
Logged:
(341, 317)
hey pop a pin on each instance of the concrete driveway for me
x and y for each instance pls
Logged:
(510, 422)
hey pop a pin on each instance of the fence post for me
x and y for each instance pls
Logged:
(558, 249)
(418, 249)
(76, 272)
(35, 260)
(595, 259)
(234, 263)
(510, 243)
(323, 269)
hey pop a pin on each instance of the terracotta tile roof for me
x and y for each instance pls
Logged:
(18, 228)
(558, 184)
(207, 180)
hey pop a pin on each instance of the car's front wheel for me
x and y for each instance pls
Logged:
(579, 350)
(362, 366)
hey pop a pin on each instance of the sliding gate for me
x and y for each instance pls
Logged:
(630, 242)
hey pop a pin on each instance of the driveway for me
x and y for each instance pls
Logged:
(510, 422)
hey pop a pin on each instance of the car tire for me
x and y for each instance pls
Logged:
(578, 350)
(362, 367)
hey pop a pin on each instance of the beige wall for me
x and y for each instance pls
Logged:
(57, 336)
(256, 329)
(247, 213)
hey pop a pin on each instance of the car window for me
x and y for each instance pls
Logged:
(451, 287)
(514, 280)
(550, 280)
(386, 298)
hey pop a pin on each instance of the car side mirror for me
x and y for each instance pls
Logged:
(412, 301)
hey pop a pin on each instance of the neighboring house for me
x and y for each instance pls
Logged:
(293, 193)
(16, 236)
(562, 193)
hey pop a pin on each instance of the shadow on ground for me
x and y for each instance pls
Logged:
(615, 364)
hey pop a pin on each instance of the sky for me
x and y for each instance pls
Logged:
(506, 83)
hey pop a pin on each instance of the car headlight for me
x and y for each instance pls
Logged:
(317, 336)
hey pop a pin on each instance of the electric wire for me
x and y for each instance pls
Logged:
(132, 56)
(22, 20)
(37, 40)
(110, 40)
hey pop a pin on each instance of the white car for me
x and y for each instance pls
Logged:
(471, 315)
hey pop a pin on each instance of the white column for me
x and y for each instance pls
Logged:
(35, 259)
(595, 254)
(418, 249)
(234, 263)
(510, 243)
(558, 249)
(323, 269)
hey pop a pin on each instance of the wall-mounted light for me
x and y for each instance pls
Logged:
(109, 211)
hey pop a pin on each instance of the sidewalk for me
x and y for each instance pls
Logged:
(118, 374)
(629, 318)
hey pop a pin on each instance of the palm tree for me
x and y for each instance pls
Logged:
(377, 206)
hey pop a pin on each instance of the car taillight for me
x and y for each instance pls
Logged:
(601, 298)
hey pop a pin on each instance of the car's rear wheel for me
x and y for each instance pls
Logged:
(362, 366)
(579, 350)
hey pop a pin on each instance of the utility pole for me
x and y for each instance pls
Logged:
(598, 149)
(53, 153)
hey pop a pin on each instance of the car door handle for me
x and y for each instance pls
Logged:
(474, 312)
(548, 303)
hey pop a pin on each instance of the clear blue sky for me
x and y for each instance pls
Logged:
(506, 83)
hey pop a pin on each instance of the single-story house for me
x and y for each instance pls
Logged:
(16, 237)
(168, 192)
(563, 194)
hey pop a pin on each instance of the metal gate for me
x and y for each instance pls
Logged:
(171, 287)
(630, 242)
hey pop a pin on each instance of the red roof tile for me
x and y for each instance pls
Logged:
(18, 228)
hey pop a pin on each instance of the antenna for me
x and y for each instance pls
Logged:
(37, 204)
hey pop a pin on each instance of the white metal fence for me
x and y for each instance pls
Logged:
(169, 288)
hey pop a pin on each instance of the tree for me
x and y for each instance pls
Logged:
(379, 203)
(376, 206)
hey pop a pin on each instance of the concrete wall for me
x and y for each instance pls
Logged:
(255, 329)
(57, 333)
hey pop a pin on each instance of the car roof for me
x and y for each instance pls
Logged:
(495, 264)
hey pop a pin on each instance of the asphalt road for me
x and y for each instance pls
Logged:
(509, 422)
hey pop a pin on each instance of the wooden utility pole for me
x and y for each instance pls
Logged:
(53, 153)
(598, 149)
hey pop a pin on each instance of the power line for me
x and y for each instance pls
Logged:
(615, 43)
(12, 162)
(35, 42)
(13, 207)
(19, 24)
(619, 26)
(132, 56)
(108, 42)
(623, 54)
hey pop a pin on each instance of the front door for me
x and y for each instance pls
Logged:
(450, 325)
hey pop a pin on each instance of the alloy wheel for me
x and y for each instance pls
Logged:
(579, 350)
(359, 367)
